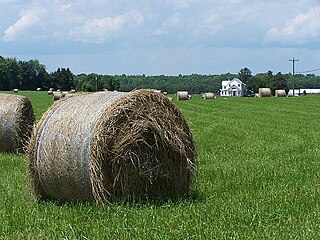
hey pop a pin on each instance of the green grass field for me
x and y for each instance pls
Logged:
(258, 178)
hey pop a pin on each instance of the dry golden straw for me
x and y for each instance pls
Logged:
(16, 122)
(112, 145)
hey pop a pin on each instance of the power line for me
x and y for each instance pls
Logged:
(314, 70)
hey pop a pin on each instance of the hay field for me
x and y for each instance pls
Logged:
(258, 178)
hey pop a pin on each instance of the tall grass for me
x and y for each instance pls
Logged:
(257, 178)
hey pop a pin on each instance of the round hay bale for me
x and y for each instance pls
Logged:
(15, 90)
(110, 145)
(64, 93)
(280, 93)
(182, 95)
(39, 89)
(50, 92)
(16, 122)
(208, 95)
(51, 89)
(57, 96)
(165, 93)
(73, 91)
(264, 92)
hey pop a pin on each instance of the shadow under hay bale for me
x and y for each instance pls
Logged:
(112, 145)
(16, 122)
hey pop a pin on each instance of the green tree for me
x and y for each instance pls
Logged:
(63, 79)
(278, 82)
(244, 75)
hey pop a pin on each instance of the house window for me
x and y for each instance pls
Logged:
(239, 85)
(224, 87)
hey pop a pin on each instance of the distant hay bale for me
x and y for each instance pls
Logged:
(50, 92)
(165, 93)
(51, 89)
(38, 89)
(16, 122)
(156, 90)
(72, 91)
(182, 95)
(264, 92)
(208, 95)
(112, 145)
(189, 96)
(57, 96)
(15, 90)
(280, 93)
(64, 93)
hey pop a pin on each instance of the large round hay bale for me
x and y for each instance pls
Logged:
(16, 122)
(208, 95)
(280, 93)
(264, 92)
(107, 145)
(182, 95)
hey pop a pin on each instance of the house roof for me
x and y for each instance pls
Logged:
(226, 82)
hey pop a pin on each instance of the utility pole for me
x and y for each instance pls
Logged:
(293, 60)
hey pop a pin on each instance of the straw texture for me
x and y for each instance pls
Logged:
(16, 122)
(110, 145)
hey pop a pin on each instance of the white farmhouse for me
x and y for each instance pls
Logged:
(232, 88)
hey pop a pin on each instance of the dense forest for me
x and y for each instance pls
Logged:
(30, 75)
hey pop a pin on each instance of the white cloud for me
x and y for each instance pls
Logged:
(28, 19)
(301, 29)
(99, 29)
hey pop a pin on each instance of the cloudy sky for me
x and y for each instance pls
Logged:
(163, 36)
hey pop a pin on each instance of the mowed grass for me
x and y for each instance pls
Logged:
(258, 178)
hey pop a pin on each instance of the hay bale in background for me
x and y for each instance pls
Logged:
(264, 92)
(16, 122)
(208, 95)
(280, 93)
(182, 95)
(15, 90)
(57, 96)
(107, 145)
(64, 93)
(39, 89)
(72, 91)
(50, 92)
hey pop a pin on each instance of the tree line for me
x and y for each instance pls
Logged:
(30, 75)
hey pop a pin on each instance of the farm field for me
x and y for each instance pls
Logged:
(258, 177)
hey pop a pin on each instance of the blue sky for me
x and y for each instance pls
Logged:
(168, 37)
